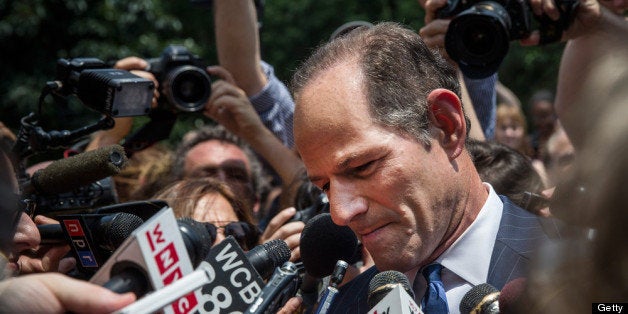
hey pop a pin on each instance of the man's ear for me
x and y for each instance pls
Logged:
(445, 112)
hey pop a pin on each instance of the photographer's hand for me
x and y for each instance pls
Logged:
(230, 106)
(587, 19)
(433, 33)
(289, 232)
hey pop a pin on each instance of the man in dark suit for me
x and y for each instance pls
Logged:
(515, 244)
(380, 127)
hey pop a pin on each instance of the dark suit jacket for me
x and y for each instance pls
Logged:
(517, 238)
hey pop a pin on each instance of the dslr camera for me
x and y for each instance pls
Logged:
(182, 79)
(480, 32)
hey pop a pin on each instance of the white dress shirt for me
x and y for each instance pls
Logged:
(466, 261)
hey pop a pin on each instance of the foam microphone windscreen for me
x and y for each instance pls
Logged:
(383, 283)
(323, 243)
(479, 297)
(67, 174)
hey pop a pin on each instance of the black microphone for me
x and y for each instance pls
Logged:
(481, 299)
(67, 174)
(268, 256)
(280, 287)
(107, 230)
(323, 243)
(92, 237)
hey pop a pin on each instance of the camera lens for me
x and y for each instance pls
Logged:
(477, 39)
(188, 88)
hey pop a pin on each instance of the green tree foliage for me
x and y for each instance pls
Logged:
(36, 33)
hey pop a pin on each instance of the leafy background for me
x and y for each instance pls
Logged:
(36, 33)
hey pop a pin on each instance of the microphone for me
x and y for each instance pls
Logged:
(281, 286)
(390, 292)
(70, 173)
(92, 237)
(510, 294)
(109, 231)
(228, 280)
(481, 299)
(332, 289)
(197, 241)
(323, 243)
(152, 257)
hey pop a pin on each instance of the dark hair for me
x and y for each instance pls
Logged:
(507, 170)
(261, 183)
(541, 95)
(400, 71)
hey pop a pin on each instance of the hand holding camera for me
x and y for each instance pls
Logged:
(479, 32)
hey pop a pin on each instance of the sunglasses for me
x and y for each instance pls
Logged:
(245, 233)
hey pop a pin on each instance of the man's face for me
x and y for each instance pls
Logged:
(221, 160)
(391, 190)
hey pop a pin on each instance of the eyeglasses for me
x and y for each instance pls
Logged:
(245, 233)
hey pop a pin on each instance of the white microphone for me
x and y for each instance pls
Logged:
(389, 292)
(156, 254)
(227, 281)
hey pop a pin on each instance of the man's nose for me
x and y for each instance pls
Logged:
(345, 202)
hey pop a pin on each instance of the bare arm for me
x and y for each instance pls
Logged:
(237, 41)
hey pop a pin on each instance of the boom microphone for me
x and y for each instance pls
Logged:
(481, 299)
(67, 174)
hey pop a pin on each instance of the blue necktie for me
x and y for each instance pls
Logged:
(434, 301)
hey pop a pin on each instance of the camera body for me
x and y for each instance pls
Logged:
(480, 32)
(113, 92)
(182, 79)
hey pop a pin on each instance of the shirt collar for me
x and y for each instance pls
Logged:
(470, 255)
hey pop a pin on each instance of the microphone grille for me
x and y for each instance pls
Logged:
(278, 251)
(383, 283)
(475, 296)
(121, 227)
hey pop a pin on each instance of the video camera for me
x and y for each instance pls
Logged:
(112, 92)
(182, 79)
(480, 32)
